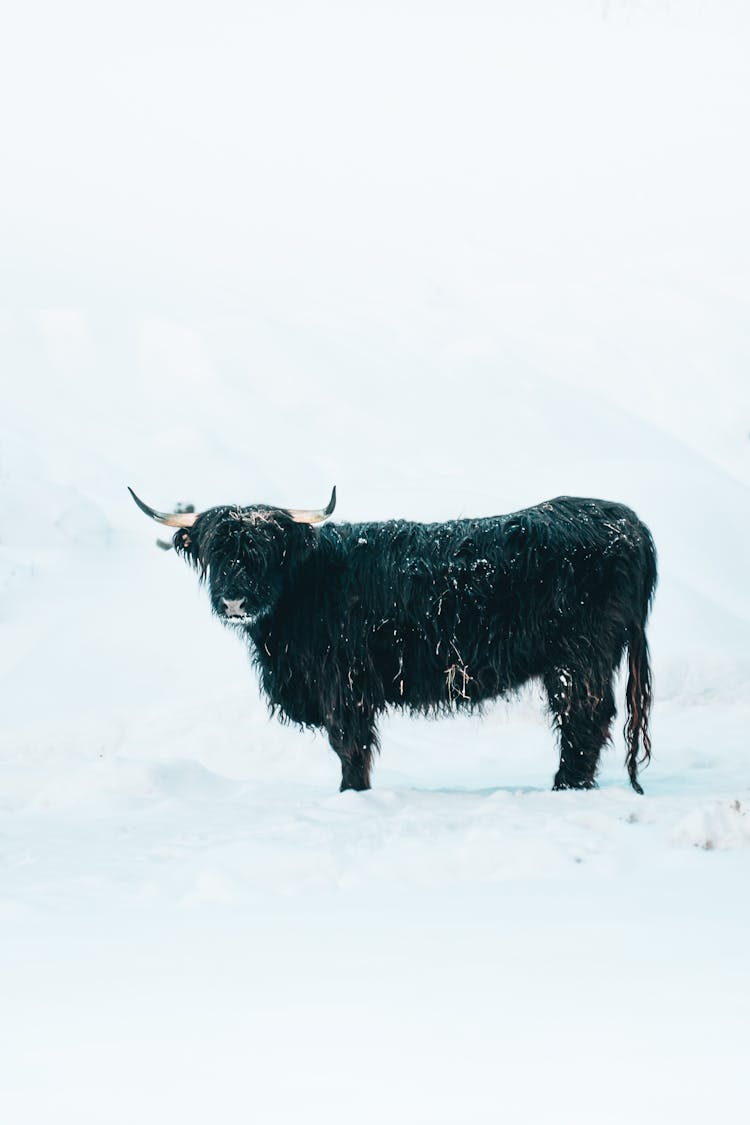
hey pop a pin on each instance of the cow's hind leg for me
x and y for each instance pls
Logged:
(354, 743)
(582, 703)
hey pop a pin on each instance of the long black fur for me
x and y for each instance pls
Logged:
(346, 620)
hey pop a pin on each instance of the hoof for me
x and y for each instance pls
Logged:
(357, 786)
(565, 783)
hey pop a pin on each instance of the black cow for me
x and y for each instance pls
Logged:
(345, 620)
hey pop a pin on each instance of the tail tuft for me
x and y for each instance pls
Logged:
(638, 700)
(638, 693)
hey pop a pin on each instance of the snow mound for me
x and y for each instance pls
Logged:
(720, 825)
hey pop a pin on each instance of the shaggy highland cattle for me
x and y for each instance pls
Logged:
(345, 620)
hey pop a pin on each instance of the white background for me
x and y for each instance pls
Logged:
(456, 259)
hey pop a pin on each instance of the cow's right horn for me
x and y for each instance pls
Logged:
(172, 519)
(313, 515)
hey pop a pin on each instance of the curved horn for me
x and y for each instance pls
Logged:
(303, 515)
(177, 519)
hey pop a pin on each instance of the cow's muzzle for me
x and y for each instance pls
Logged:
(234, 608)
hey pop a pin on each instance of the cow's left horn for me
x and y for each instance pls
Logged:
(174, 519)
(302, 515)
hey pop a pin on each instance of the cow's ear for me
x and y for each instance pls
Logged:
(185, 541)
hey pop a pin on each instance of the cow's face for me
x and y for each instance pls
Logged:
(244, 554)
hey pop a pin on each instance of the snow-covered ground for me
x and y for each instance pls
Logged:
(457, 259)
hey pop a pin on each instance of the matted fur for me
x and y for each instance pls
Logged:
(345, 620)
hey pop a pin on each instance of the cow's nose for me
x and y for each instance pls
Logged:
(233, 607)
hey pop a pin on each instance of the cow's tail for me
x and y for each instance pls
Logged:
(639, 686)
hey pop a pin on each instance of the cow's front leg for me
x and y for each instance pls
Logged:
(354, 745)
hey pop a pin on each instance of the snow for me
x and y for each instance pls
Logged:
(456, 262)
